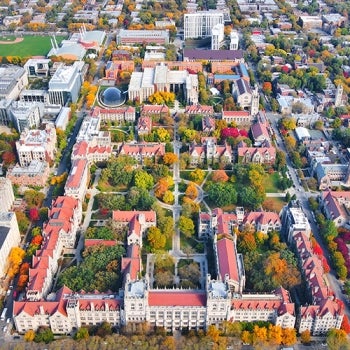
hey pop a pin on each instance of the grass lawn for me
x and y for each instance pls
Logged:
(274, 204)
(271, 183)
(32, 45)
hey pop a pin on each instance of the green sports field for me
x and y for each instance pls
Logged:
(32, 45)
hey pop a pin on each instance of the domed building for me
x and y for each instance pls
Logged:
(112, 97)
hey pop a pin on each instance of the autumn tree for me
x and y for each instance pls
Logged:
(186, 226)
(213, 333)
(305, 337)
(259, 335)
(168, 197)
(289, 336)
(170, 158)
(220, 176)
(29, 335)
(191, 191)
(274, 334)
(197, 175)
(14, 261)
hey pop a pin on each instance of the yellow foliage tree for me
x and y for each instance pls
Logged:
(29, 335)
(259, 335)
(170, 158)
(289, 336)
(274, 335)
(246, 337)
(213, 333)
(14, 261)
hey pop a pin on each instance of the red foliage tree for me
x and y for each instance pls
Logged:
(24, 269)
(37, 240)
(285, 69)
(229, 132)
(8, 158)
(345, 326)
(34, 214)
(317, 249)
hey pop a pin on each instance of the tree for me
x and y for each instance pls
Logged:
(222, 194)
(170, 158)
(336, 339)
(259, 335)
(164, 278)
(44, 334)
(155, 238)
(250, 198)
(280, 161)
(274, 334)
(191, 191)
(186, 226)
(345, 325)
(288, 123)
(143, 180)
(305, 337)
(14, 260)
(246, 337)
(220, 176)
(289, 336)
(168, 197)
(197, 175)
(34, 214)
(82, 334)
(29, 335)
(213, 333)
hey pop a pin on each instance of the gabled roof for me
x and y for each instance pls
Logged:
(227, 259)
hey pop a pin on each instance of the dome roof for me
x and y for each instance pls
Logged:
(112, 96)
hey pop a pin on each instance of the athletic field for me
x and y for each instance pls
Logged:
(28, 45)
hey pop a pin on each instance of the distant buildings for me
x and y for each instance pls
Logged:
(200, 24)
(130, 37)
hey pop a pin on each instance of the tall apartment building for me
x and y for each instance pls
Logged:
(200, 24)
(36, 144)
(6, 194)
(65, 84)
(9, 238)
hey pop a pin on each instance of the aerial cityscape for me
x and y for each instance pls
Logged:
(174, 174)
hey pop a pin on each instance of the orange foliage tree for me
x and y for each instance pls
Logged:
(170, 158)
(191, 191)
(220, 176)
(14, 261)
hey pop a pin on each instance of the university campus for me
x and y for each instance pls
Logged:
(174, 175)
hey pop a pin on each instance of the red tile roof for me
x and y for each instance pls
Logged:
(176, 298)
(93, 242)
(79, 167)
(127, 216)
(227, 259)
